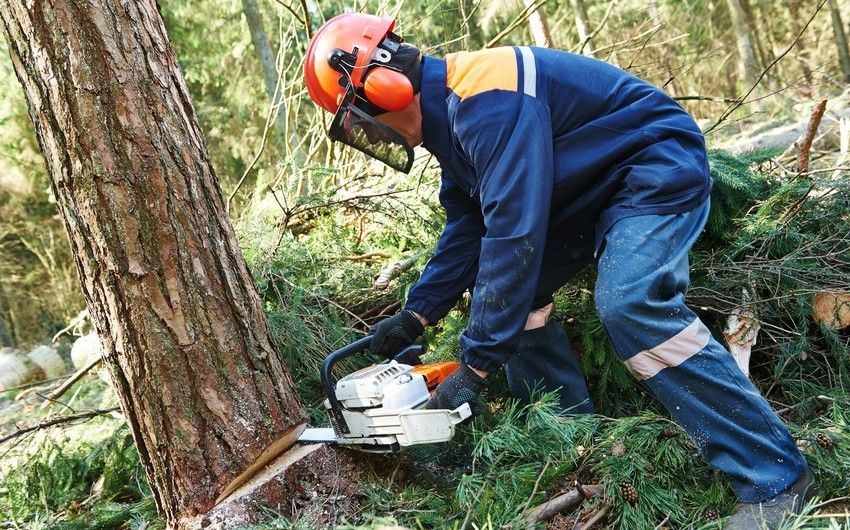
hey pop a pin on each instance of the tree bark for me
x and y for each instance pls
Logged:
(184, 335)
(840, 40)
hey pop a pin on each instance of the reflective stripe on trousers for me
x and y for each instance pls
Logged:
(640, 296)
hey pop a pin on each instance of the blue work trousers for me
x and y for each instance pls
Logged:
(640, 296)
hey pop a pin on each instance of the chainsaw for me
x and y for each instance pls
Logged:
(379, 408)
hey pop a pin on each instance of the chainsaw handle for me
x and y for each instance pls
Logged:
(410, 355)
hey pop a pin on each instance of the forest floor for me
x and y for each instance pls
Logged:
(776, 240)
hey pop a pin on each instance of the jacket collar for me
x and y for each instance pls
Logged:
(436, 134)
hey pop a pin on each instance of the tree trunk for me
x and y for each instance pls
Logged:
(268, 65)
(747, 66)
(582, 26)
(5, 337)
(840, 40)
(796, 27)
(185, 338)
(539, 24)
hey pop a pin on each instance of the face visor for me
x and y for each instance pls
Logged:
(356, 128)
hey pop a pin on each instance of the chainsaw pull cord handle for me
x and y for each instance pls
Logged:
(410, 355)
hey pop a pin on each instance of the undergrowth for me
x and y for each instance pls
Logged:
(317, 292)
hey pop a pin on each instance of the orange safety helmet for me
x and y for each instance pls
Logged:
(348, 50)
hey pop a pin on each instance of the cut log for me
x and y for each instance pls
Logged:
(741, 333)
(832, 309)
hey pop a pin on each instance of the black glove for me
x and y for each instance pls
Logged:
(461, 387)
(395, 333)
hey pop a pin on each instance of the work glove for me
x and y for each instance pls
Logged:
(463, 386)
(395, 333)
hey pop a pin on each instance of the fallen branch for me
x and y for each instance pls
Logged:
(58, 421)
(596, 517)
(392, 272)
(369, 256)
(56, 394)
(804, 142)
(556, 505)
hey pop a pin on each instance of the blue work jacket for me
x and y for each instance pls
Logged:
(540, 149)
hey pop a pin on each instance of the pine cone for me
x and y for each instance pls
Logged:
(629, 492)
(824, 440)
(712, 515)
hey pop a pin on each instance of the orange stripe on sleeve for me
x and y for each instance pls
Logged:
(470, 73)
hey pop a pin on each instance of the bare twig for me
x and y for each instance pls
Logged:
(804, 142)
(56, 394)
(291, 11)
(718, 99)
(58, 421)
(274, 108)
(556, 505)
(536, 485)
(595, 32)
(518, 21)
(741, 100)
(76, 321)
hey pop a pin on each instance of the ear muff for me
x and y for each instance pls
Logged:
(388, 89)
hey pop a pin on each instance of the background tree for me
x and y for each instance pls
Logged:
(185, 339)
(840, 40)
(747, 64)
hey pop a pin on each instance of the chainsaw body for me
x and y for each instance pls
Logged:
(378, 408)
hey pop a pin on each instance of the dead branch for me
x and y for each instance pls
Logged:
(392, 272)
(596, 517)
(369, 256)
(556, 505)
(76, 321)
(518, 21)
(718, 99)
(595, 32)
(56, 394)
(58, 421)
(804, 142)
(270, 118)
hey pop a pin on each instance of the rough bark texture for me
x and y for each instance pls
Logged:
(184, 335)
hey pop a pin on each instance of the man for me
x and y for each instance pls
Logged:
(550, 161)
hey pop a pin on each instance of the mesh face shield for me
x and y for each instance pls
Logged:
(358, 129)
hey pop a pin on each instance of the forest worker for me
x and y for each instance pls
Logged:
(550, 161)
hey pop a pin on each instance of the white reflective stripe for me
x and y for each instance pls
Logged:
(529, 68)
(672, 352)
